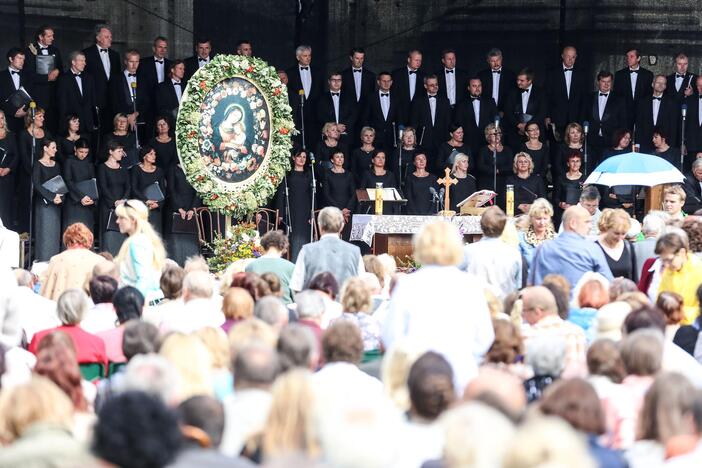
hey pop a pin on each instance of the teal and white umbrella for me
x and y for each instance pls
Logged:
(635, 169)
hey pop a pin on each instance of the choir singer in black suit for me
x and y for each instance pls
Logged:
(431, 116)
(76, 93)
(407, 83)
(525, 106)
(128, 96)
(357, 80)
(11, 79)
(381, 113)
(632, 83)
(43, 85)
(102, 63)
(474, 114)
(693, 125)
(303, 76)
(203, 49)
(152, 71)
(660, 110)
(681, 83)
(565, 90)
(498, 82)
(170, 92)
(453, 82)
(336, 106)
(606, 112)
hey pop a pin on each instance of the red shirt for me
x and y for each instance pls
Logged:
(89, 348)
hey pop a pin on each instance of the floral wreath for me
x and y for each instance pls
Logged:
(266, 154)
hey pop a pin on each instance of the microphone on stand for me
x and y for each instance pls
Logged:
(434, 193)
(441, 197)
(586, 129)
(683, 148)
(301, 93)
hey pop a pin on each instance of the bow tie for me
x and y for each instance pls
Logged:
(449, 71)
(633, 71)
(158, 61)
(656, 98)
(357, 70)
(384, 94)
(334, 94)
(431, 97)
(524, 90)
(77, 75)
(131, 75)
(200, 59)
(43, 48)
(700, 96)
(304, 68)
(678, 75)
(604, 94)
(176, 83)
(14, 72)
(103, 51)
(567, 70)
(475, 98)
(412, 72)
(497, 71)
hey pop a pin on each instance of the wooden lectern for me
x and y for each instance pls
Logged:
(654, 198)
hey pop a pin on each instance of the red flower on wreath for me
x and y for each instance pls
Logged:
(192, 134)
(249, 70)
(214, 197)
(277, 91)
(284, 131)
(203, 84)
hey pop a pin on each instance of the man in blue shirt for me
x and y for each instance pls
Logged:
(570, 254)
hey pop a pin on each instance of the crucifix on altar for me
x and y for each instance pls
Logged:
(447, 181)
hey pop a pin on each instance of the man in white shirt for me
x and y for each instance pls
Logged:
(38, 312)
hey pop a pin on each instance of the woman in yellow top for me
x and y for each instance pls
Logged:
(682, 272)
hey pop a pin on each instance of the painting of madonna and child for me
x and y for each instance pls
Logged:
(235, 127)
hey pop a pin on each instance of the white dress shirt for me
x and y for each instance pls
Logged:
(202, 62)
(79, 81)
(633, 77)
(496, 85)
(412, 82)
(105, 59)
(335, 100)
(384, 103)
(678, 81)
(432, 107)
(450, 75)
(130, 80)
(476, 111)
(568, 74)
(160, 72)
(497, 262)
(178, 89)
(43, 49)
(306, 78)
(357, 77)
(525, 99)
(656, 107)
(15, 77)
(601, 103)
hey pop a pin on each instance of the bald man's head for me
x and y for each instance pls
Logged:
(538, 302)
(577, 219)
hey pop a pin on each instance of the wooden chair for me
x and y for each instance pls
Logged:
(266, 220)
(92, 371)
(208, 225)
(315, 225)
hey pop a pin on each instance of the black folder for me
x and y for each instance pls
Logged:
(56, 185)
(183, 226)
(153, 192)
(19, 98)
(89, 188)
(112, 222)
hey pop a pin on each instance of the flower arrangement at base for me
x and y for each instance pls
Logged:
(233, 133)
(243, 242)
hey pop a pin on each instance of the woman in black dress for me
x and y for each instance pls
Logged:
(485, 163)
(378, 174)
(621, 196)
(70, 132)
(9, 160)
(164, 145)
(114, 188)
(573, 141)
(299, 185)
(664, 150)
(339, 190)
(145, 175)
(420, 200)
(446, 154)
(536, 149)
(567, 190)
(328, 146)
(361, 157)
(182, 201)
(47, 205)
(528, 186)
(466, 185)
(79, 207)
(28, 155)
(401, 158)
(124, 137)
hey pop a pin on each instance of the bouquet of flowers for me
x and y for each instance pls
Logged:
(241, 242)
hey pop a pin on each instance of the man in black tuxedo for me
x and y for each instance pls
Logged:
(407, 83)
(660, 110)
(693, 125)
(170, 92)
(11, 79)
(304, 85)
(244, 47)
(431, 116)
(203, 49)
(359, 82)
(381, 113)
(605, 112)
(632, 83)
(125, 92)
(43, 85)
(681, 83)
(565, 91)
(336, 106)
(474, 113)
(498, 82)
(102, 63)
(152, 71)
(76, 93)
(453, 82)
(525, 106)
(693, 188)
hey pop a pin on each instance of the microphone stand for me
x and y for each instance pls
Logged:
(682, 139)
(287, 206)
(302, 123)
(134, 109)
(498, 137)
(586, 128)
(313, 193)
(33, 109)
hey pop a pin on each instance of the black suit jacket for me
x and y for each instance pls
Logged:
(121, 100)
(693, 130)
(668, 114)
(474, 132)
(385, 128)
(347, 111)
(348, 85)
(693, 200)
(167, 100)
(679, 94)
(401, 92)
(536, 107)
(622, 88)
(508, 83)
(41, 89)
(7, 87)
(431, 135)
(564, 108)
(613, 118)
(94, 66)
(147, 78)
(461, 83)
(294, 87)
(70, 100)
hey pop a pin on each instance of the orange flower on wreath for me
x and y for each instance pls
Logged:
(203, 84)
(284, 131)
(250, 69)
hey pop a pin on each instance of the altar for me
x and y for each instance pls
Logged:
(393, 234)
